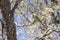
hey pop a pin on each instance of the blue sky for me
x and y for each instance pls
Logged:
(21, 35)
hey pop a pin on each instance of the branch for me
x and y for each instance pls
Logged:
(25, 25)
(24, 16)
(49, 33)
(15, 6)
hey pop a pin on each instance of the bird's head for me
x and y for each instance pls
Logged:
(33, 14)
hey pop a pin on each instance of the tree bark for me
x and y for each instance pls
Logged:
(8, 18)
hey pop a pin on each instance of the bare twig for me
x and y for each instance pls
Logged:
(26, 25)
(49, 33)
(15, 6)
(24, 16)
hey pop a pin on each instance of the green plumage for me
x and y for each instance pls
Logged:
(36, 17)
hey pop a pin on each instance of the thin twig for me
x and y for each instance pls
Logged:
(15, 6)
(49, 33)
(24, 16)
(26, 25)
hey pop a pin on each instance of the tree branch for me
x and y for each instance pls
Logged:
(25, 25)
(15, 6)
(49, 33)
(24, 16)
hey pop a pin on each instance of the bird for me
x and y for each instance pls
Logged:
(36, 17)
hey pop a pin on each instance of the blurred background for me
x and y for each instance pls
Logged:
(34, 19)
